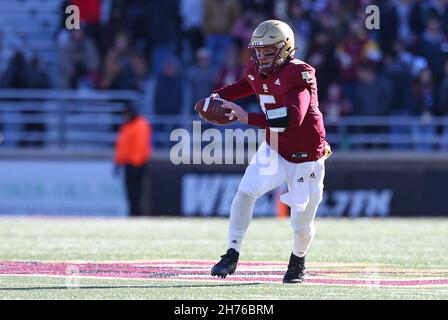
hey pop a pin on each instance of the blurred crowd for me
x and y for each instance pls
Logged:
(190, 47)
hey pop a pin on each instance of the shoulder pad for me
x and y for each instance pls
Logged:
(300, 74)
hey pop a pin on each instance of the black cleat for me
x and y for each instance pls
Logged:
(296, 270)
(227, 264)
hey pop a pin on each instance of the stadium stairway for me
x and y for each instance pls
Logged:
(30, 26)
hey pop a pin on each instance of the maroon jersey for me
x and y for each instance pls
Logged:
(293, 88)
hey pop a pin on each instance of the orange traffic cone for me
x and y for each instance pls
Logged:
(282, 209)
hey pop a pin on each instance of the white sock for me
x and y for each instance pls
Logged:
(302, 223)
(240, 217)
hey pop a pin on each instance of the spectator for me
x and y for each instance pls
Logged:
(390, 24)
(192, 15)
(355, 49)
(322, 57)
(443, 92)
(373, 93)
(417, 18)
(397, 70)
(232, 69)
(114, 24)
(22, 75)
(261, 7)
(424, 94)
(438, 9)
(242, 32)
(201, 78)
(332, 17)
(434, 47)
(90, 18)
(335, 106)
(124, 67)
(400, 76)
(164, 31)
(136, 17)
(219, 18)
(37, 78)
(301, 25)
(132, 151)
(424, 97)
(79, 62)
(15, 76)
(403, 14)
(169, 89)
(443, 104)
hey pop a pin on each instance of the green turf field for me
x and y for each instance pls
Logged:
(362, 250)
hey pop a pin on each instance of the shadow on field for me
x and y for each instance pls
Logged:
(133, 287)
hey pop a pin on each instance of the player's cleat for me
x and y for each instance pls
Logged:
(296, 270)
(227, 264)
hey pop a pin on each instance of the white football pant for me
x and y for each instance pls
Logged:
(305, 189)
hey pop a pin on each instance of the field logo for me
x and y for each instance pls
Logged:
(373, 277)
(373, 20)
(73, 20)
(365, 275)
(72, 277)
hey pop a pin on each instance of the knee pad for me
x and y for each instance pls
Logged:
(301, 225)
(251, 188)
(244, 194)
(302, 222)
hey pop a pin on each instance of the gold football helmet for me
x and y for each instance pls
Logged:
(276, 36)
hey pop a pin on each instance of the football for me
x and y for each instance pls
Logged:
(210, 109)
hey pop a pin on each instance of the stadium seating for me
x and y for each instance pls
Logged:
(30, 26)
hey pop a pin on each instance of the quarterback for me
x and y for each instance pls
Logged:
(286, 89)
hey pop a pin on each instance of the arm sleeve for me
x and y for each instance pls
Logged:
(257, 119)
(297, 100)
(236, 90)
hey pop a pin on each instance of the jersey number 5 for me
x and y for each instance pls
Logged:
(268, 99)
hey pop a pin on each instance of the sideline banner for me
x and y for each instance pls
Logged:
(350, 190)
(80, 188)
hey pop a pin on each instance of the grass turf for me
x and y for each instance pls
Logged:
(412, 244)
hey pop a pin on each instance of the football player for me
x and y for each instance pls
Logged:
(286, 89)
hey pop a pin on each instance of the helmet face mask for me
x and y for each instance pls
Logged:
(266, 58)
(271, 45)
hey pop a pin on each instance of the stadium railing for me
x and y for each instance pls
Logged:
(89, 119)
